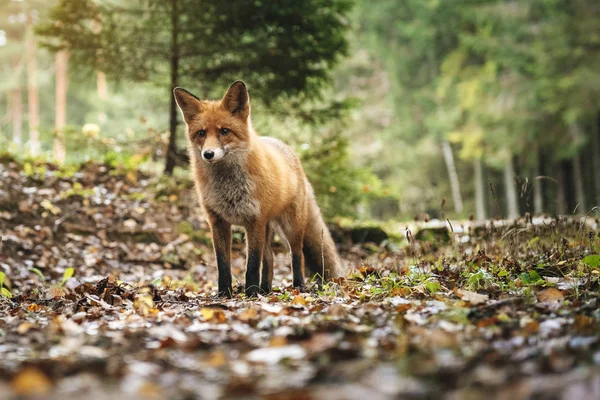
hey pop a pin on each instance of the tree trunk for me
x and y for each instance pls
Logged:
(538, 196)
(16, 115)
(596, 157)
(479, 190)
(453, 176)
(102, 88)
(580, 207)
(33, 99)
(561, 199)
(101, 84)
(62, 65)
(510, 190)
(172, 147)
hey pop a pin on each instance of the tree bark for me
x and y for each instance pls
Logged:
(171, 158)
(580, 208)
(479, 190)
(538, 192)
(62, 82)
(16, 115)
(512, 204)
(33, 95)
(453, 176)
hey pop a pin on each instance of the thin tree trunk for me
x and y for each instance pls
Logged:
(16, 115)
(578, 182)
(596, 156)
(62, 82)
(102, 88)
(538, 196)
(453, 176)
(510, 190)
(172, 147)
(33, 95)
(101, 83)
(479, 190)
(561, 199)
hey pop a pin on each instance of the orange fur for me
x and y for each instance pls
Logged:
(258, 183)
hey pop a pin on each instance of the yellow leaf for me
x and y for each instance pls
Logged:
(50, 207)
(299, 300)
(24, 327)
(213, 315)
(30, 382)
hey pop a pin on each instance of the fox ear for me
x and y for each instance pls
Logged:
(187, 103)
(236, 100)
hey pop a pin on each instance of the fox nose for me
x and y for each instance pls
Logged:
(208, 154)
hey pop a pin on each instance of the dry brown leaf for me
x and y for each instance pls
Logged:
(583, 321)
(550, 295)
(248, 314)
(31, 381)
(471, 297)
(278, 341)
(149, 390)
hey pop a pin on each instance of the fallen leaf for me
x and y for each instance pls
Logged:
(31, 382)
(471, 297)
(550, 295)
(213, 315)
(299, 301)
(24, 327)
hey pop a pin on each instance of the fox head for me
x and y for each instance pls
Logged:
(217, 129)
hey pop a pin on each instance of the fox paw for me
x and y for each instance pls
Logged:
(252, 291)
(265, 288)
(225, 293)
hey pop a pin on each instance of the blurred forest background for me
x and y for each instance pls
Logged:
(398, 108)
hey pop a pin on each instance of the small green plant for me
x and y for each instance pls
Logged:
(532, 278)
(38, 273)
(68, 274)
(4, 292)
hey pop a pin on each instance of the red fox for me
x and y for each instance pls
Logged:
(258, 183)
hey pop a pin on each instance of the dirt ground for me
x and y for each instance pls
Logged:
(108, 291)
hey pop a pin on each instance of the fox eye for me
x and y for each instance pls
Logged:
(201, 133)
(224, 131)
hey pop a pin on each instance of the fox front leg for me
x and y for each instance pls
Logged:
(221, 238)
(255, 241)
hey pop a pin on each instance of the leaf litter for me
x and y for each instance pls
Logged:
(108, 289)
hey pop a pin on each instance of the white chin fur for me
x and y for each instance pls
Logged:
(219, 153)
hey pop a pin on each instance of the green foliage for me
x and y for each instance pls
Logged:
(593, 260)
(279, 47)
(338, 185)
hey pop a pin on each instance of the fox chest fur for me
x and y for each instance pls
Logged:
(228, 190)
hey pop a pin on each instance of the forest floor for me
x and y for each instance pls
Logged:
(108, 284)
